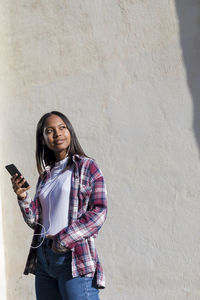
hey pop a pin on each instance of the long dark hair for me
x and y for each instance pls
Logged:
(44, 155)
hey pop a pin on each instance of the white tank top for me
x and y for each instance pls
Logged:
(54, 199)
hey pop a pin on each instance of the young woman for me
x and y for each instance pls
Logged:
(66, 214)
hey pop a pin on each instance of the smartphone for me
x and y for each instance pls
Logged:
(13, 170)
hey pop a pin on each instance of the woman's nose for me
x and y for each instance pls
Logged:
(56, 133)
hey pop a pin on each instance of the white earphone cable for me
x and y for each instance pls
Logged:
(43, 227)
(37, 223)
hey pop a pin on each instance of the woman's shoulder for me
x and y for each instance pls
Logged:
(87, 161)
(90, 165)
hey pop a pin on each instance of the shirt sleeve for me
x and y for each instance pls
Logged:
(92, 220)
(28, 209)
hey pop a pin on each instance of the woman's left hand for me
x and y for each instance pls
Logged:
(57, 248)
(50, 236)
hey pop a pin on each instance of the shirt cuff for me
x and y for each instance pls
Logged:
(26, 202)
(66, 242)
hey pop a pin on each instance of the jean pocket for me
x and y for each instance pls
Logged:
(60, 263)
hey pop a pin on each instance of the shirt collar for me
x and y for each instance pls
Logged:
(61, 162)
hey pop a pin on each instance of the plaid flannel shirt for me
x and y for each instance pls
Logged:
(87, 213)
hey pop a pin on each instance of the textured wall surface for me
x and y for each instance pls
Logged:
(126, 73)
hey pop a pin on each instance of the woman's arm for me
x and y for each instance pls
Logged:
(92, 220)
(28, 208)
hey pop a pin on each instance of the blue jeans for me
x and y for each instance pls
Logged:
(54, 281)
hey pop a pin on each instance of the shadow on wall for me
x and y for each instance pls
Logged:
(188, 13)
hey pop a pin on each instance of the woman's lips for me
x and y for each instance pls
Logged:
(58, 142)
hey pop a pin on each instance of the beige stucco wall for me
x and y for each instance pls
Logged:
(126, 73)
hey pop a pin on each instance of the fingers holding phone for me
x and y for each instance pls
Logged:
(19, 186)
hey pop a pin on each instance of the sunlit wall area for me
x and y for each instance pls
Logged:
(123, 71)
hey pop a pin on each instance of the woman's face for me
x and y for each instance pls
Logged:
(56, 135)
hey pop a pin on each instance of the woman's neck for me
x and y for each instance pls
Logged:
(60, 155)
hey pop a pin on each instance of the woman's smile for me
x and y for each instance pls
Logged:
(58, 142)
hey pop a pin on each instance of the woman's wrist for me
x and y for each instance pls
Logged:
(21, 196)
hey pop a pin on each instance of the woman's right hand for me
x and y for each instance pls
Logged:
(17, 183)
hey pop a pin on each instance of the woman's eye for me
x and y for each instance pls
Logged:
(49, 131)
(62, 127)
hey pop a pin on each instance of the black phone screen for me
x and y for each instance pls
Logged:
(12, 169)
